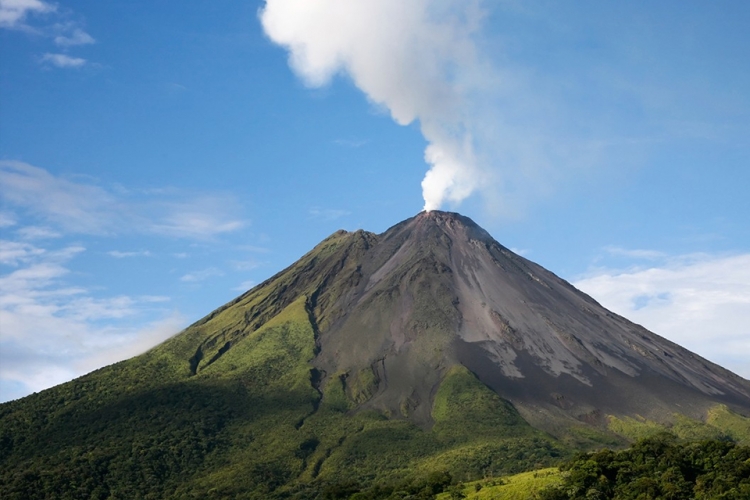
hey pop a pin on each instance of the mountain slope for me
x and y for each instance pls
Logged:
(373, 358)
(437, 290)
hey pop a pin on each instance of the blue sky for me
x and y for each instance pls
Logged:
(157, 159)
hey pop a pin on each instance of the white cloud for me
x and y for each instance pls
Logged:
(14, 12)
(14, 15)
(153, 298)
(254, 249)
(87, 208)
(351, 143)
(131, 342)
(37, 233)
(121, 255)
(13, 252)
(7, 219)
(244, 286)
(73, 206)
(201, 217)
(327, 213)
(52, 331)
(245, 265)
(77, 37)
(42, 269)
(67, 349)
(701, 302)
(202, 275)
(63, 60)
(634, 253)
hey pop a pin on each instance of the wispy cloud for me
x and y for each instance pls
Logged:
(37, 233)
(244, 286)
(13, 13)
(634, 253)
(63, 60)
(7, 219)
(76, 37)
(26, 16)
(351, 143)
(254, 249)
(245, 265)
(13, 252)
(200, 217)
(122, 255)
(74, 206)
(702, 302)
(175, 87)
(62, 349)
(52, 331)
(327, 213)
(202, 275)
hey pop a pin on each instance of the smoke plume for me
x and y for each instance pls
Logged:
(417, 58)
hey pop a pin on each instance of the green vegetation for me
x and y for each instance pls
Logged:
(142, 428)
(521, 486)
(462, 400)
(634, 429)
(657, 467)
(694, 430)
(485, 432)
(582, 437)
(362, 385)
(721, 424)
(734, 425)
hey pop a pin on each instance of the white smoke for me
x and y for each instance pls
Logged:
(417, 58)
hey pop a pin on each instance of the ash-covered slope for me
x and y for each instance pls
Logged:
(437, 290)
(393, 312)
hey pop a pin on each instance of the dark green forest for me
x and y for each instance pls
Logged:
(658, 467)
(163, 459)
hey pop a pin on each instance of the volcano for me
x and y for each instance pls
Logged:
(427, 347)
(394, 312)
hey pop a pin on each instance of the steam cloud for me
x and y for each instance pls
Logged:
(417, 58)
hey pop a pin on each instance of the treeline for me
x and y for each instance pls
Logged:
(658, 467)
